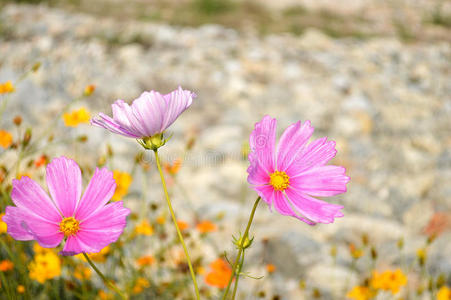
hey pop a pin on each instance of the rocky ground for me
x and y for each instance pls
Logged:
(386, 103)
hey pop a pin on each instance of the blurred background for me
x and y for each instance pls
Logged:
(373, 75)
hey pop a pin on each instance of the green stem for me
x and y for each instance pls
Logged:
(235, 286)
(107, 282)
(174, 219)
(240, 252)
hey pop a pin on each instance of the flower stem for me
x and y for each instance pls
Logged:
(236, 265)
(174, 219)
(235, 286)
(107, 282)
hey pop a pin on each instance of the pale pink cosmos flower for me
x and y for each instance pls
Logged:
(87, 222)
(287, 175)
(151, 114)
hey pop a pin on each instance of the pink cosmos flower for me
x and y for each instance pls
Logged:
(148, 115)
(88, 223)
(289, 174)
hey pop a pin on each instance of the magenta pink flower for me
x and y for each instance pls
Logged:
(88, 223)
(148, 115)
(289, 174)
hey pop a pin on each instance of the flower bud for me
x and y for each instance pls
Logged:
(17, 120)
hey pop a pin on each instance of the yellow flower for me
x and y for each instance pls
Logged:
(82, 272)
(359, 293)
(45, 266)
(146, 260)
(389, 280)
(3, 226)
(200, 270)
(7, 87)
(140, 285)
(6, 265)
(144, 228)
(104, 296)
(444, 293)
(40, 250)
(421, 255)
(76, 117)
(20, 289)
(97, 257)
(123, 181)
(161, 219)
(355, 252)
(6, 139)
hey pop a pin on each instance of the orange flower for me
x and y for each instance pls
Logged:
(6, 265)
(140, 285)
(146, 260)
(6, 139)
(182, 225)
(270, 268)
(7, 87)
(89, 89)
(438, 223)
(206, 226)
(174, 168)
(219, 275)
(82, 272)
(42, 160)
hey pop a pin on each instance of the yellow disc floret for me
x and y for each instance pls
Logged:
(279, 180)
(69, 226)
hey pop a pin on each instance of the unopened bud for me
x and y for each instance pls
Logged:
(17, 120)
(36, 66)
(26, 137)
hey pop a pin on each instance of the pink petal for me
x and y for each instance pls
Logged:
(113, 126)
(111, 217)
(317, 153)
(23, 225)
(322, 181)
(29, 195)
(314, 209)
(74, 245)
(98, 230)
(282, 206)
(265, 192)
(98, 192)
(64, 182)
(257, 175)
(292, 142)
(123, 114)
(177, 102)
(150, 109)
(262, 142)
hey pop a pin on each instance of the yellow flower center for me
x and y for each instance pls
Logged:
(279, 180)
(69, 226)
